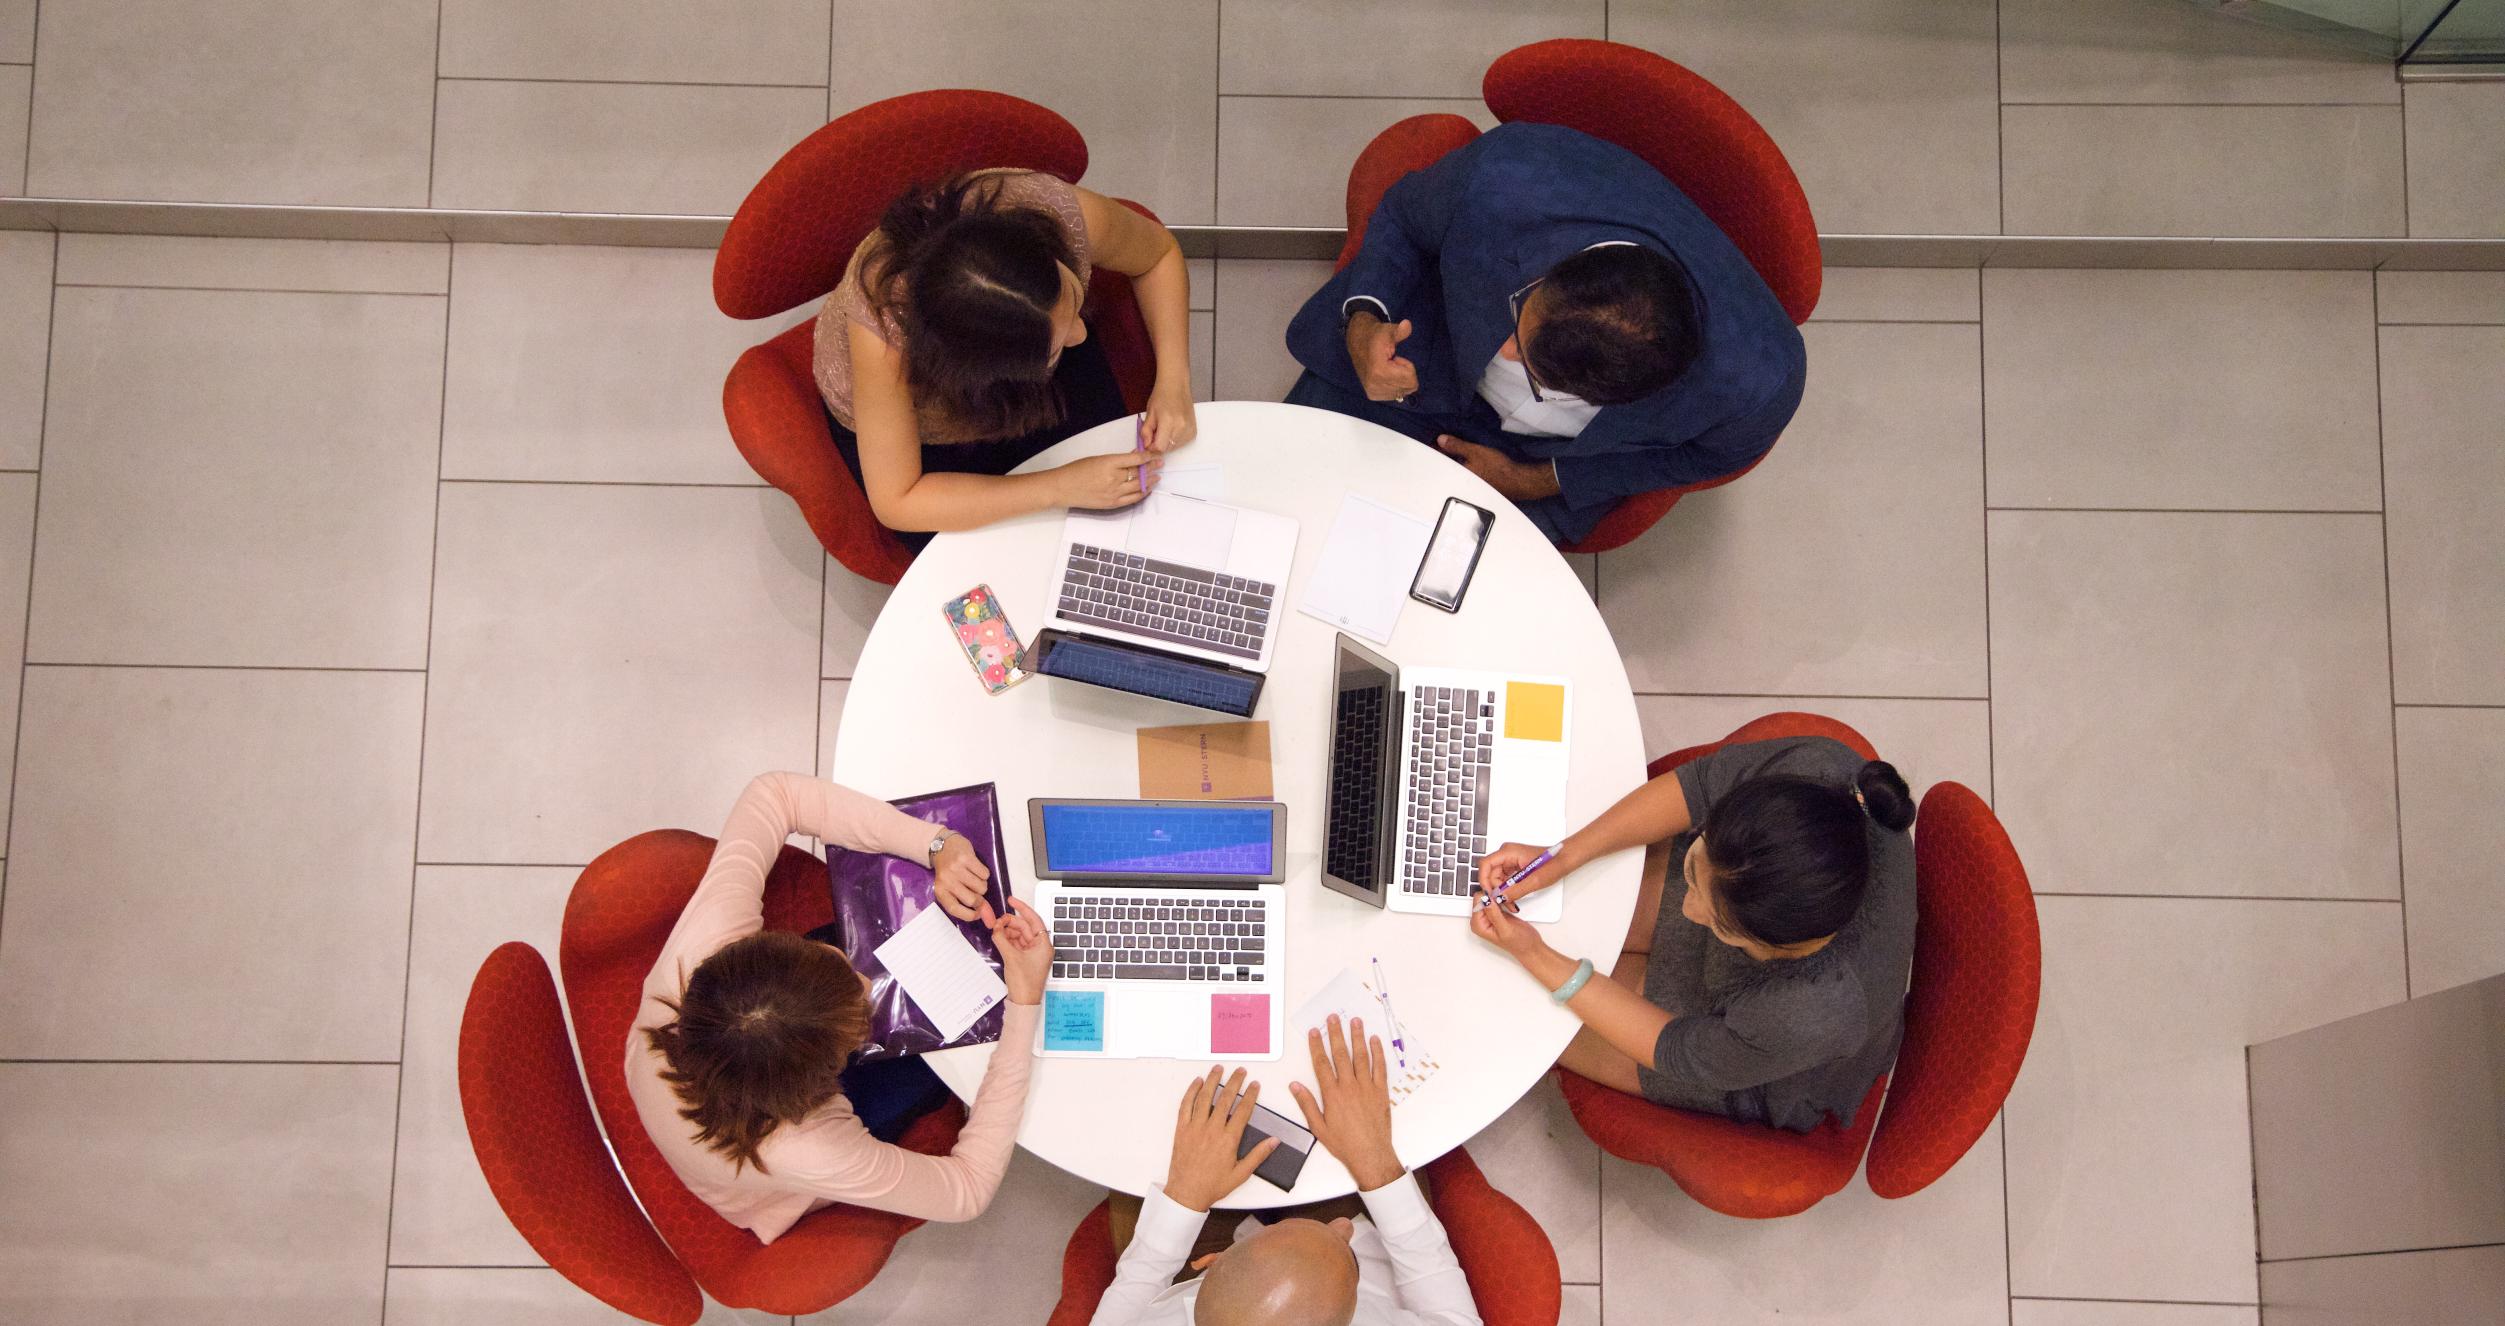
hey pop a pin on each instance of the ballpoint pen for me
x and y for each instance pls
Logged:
(1383, 996)
(1498, 897)
(1139, 446)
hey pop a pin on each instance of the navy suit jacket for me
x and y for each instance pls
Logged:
(1450, 244)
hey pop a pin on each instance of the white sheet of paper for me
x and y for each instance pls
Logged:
(1362, 579)
(941, 973)
(1173, 527)
(1206, 482)
(1352, 997)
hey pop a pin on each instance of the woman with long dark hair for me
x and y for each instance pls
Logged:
(956, 348)
(1763, 977)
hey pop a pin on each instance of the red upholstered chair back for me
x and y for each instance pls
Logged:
(1978, 964)
(616, 920)
(1686, 128)
(1411, 144)
(793, 235)
(536, 1142)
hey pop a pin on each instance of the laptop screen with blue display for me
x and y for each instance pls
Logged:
(1158, 839)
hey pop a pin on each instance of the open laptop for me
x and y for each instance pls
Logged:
(1168, 927)
(1177, 573)
(1430, 769)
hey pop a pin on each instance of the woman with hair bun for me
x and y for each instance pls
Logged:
(955, 349)
(1763, 977)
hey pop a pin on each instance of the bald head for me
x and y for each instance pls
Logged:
(1294, 1273)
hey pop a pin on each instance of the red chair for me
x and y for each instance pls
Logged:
(542, 1154)
(790, 241)
(1510, 1264)
(1969, 1012)
(1684, 127)
(616, 920)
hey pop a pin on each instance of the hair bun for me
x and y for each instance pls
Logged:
(1884, 795)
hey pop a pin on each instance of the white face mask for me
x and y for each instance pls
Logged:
(1507, 387)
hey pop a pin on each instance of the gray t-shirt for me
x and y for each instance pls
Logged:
(1790, 1041)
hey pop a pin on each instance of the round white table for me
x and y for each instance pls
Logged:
(916, 720)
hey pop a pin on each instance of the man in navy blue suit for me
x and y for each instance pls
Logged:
(1555, 315)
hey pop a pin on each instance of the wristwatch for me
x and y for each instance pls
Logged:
(938, 841)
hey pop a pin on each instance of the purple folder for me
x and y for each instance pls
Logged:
(875, 894)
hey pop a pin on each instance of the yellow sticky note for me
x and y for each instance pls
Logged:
(1535, 711)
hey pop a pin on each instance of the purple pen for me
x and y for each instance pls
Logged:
(1139, 445)
(1516, 877)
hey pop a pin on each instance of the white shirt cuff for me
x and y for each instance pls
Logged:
(1348, 306)
(1166, 1226)
(1396, 1207)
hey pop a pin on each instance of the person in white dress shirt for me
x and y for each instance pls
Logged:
(1390, 1266)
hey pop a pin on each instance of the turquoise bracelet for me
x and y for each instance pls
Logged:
(1574, 984)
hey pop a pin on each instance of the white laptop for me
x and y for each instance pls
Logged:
(1177, 573)
(1431, 769)
(1168, 927)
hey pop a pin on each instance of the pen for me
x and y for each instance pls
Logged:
(1383, 995)
(1139, 445)
(1516, 877)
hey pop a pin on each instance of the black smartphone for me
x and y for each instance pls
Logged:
(1295, 1144)
(1452, 555)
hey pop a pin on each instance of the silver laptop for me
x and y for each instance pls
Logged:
(1430, 769)
(1167, 927)
(1177, 573)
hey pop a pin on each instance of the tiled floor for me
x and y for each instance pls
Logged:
(373, 588)
(2063, 117)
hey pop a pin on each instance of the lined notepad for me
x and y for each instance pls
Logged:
(941, 973)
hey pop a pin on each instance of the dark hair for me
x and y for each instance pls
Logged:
(1790, 856)
(761, 1038)
(973, 284)
(1617, 324)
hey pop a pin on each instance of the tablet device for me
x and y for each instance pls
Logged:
(1295, 1144)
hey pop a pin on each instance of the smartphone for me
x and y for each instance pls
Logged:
(1452, 555)
(1295, 1145)
(990, 642)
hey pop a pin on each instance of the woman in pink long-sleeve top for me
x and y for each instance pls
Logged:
(734, 1059)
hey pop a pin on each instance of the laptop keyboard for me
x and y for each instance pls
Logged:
(1452, 733)
(1165, 601)
(1158, 935)
(1356, 785)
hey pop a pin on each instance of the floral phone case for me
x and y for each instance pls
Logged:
(991, 644)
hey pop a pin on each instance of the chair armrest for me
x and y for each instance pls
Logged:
(771, 403)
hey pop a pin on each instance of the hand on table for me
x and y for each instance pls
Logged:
(1520, 480)
(960, 881)
(1169, 421)
(1025, 945)
(1207, 1131)
(1101, 483)
(1517, 937)
(1353, 1120)
(1373, 352)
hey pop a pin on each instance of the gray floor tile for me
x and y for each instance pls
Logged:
(283, 450)
(17, 92)
(2445, 501)
(17, 550)
(273, 859)
(1314, 48)
(1929, 741)
(2435, 1285)
(1865, 524)
(649, 41)
(17, 31)
(1100, 74)
(2235, 390)
(852, 608)
(1581, 1306)
(2076, 1312)
(2194, 670)
(1204, 355)
(2130, 1169)
(1851, 1260)
(2163, 51)
(1283, 161)
(213, 1194)
(1536, 1154)
(263, 101)
(441, 1211)
(2299, 171)
(1899, 294)
(517, 1296)
(598, 364)
(923, 1283)
(2452, 770)
(2456, 160)
(611, 147)
(1204, 274)
(611, 659)
(1256, 298)
(25, 344)
(204, 263)
(830, 720)
(1886, 108)
(2445, 297)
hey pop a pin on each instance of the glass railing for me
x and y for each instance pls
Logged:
(2413, 32)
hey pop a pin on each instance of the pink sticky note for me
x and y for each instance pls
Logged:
(1239, 1024)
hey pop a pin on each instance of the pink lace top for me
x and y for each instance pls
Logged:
(833, 356)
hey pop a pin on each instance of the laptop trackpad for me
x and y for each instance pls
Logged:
(1170, 527)
(1157, 1020)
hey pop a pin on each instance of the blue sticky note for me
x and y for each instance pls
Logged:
(1074, 1020)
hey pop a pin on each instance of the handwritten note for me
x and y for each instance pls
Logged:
(1074, 1019)
(941, 973)
(1355, 996)
(1239, 1024)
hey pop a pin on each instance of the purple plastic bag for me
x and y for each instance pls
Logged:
(876, 894)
